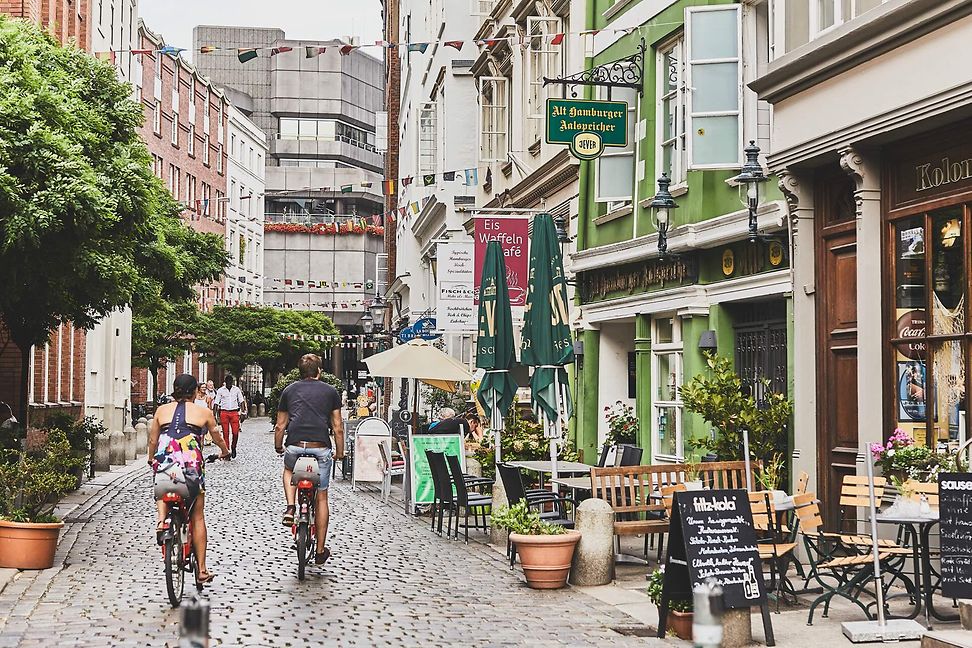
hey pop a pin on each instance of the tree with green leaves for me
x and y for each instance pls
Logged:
(85, 228)
(236, 336)
(161, 332)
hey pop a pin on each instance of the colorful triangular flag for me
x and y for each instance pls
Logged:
(207, 49)
(280, 50)
(311, 52)
(347, 188)
(246, 54)
(414, 207)
(418, 47)
(455, 44)
(347, 49)
(388, 187)
(449, 176)
(472, 177)
(428, 179)
(172, 51)
(406, 181)
(366, 185)
(557, 39)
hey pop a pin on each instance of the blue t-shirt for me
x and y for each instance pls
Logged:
(310, 403)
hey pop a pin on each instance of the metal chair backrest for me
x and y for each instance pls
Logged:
(604, 454)
(631, 455)
(802, 482)
(668, 496)
(808, 513)
(512, 483)
(458, 479)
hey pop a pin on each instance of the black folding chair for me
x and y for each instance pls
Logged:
(443, 497)
(464, 500)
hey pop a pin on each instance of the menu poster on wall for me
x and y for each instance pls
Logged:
(455, 310)
(955, 518)
(711, 535)
(513, 236)
(911, 390)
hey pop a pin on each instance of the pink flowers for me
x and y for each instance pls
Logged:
(900, 439)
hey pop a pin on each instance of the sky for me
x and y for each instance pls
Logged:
(300, 19)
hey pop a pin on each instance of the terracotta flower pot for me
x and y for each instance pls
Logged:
(546, 558)
(681, 624)
(28, 545)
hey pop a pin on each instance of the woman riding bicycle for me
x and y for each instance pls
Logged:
(175, 443)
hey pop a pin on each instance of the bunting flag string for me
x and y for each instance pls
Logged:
(245, 54)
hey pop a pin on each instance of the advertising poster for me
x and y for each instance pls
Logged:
(456, 310)
(911, 391)
(423, 490)
(513, 236)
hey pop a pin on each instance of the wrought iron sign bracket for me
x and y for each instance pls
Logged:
(627, 72)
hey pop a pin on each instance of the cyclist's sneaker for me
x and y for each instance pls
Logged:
(288, 516)
(321, 558)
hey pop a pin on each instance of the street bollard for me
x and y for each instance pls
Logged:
(194, 632)
(116, 448)
(102, 455)
(498, 535)
(707, 620)
(131, 448)
(261, 410)
(141, 436)
(143, 420)
(594, 556)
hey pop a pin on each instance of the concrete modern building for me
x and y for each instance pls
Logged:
(437, 90)
(244, 215)
(186, 132)
(324, 236)
(870, 139)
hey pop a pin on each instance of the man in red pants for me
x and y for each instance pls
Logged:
(230, 403)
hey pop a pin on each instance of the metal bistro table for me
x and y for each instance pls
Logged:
(920, 530)
(563, 467)
(574, 484)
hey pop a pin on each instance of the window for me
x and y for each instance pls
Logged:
(219, 159)
(543, 61)
(157, 118)
(175, 129)
(482, 8)
(206, 148)
(666, 380)
(175, 87)
(242, 249)
(232, 196)
(289, 128)
(671, 112)
(493, 103)
(616, 166)
(173, 183)
(232, 145)
(715, 80)
(191, 143)
(428, 136)
(800, 21)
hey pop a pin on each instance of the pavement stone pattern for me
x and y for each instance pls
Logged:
(390, 582)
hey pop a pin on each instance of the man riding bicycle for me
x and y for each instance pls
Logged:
(309, 411)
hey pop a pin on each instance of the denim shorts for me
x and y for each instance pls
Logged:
(325, 458)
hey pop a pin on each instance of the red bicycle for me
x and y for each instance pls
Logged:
(306, 478)
(178, 554)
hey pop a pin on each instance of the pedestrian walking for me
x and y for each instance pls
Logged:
(308, 412)
(230, 403)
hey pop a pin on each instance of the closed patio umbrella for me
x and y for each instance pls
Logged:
(547, 345)
(494, 346)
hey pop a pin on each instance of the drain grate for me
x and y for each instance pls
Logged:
(636, 631)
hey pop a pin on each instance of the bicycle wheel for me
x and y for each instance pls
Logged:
(175, 575)
(303, 540)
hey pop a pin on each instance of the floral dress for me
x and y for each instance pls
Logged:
(180, 444)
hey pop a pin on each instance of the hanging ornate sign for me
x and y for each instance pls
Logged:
(587, 126)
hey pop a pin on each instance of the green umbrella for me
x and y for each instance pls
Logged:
(494, 346)
(547, 345)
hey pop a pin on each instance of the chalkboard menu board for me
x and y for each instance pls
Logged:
(711, 535)
(955, 517)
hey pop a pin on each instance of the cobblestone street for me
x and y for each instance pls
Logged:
(390, 581)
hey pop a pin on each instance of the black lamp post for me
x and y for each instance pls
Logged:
(661, 206)
(368, 323)
(751, 176)
(376, 313)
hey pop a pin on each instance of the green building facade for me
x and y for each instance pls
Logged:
(644, 313)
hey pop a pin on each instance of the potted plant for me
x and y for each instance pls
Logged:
(770, 476)
(680, 613)
(30, 485)
(693, 474)
(546, 550)
(622, 424)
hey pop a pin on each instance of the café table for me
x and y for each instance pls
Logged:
(920, 529)
(574, 484)
(543, 467)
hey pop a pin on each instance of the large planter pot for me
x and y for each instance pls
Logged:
(28, 545)
(546, 558)
(681, 624)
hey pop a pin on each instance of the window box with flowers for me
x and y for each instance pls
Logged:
(901, 459)
(325, 228)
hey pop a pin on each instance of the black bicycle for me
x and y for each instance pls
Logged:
(178, 554)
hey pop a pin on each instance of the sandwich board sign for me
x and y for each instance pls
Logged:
(587, 126)
(955, 518)
(711, 535)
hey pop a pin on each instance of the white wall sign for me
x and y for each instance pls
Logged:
(456, 278)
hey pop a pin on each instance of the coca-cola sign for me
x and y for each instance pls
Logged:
(911, 326)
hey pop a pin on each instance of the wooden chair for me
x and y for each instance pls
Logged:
(802, 481)
(727, 474)
(668, 500)
(854, 495)
(929, 490)
(771, 546)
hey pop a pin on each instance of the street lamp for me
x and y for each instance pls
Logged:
(751, 176)
(377, 310)
(368, 323)
(660, 207)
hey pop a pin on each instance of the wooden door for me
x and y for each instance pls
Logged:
(836, 291)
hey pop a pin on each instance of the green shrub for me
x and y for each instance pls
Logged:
(656, 581)
(519, 518)
(522, 440)
(31, 483)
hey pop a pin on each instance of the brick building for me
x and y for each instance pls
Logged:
(185, 129)
(66, 20)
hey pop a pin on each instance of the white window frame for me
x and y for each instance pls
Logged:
(679, 170)
(482, 8)
(542, 60)
(219, 159)
(175, 129)
(675, 349)
(498, 115)
(157, 117)
(616, 202)
(689, 63)
(428, 134)
(191, 142)
(206, 148)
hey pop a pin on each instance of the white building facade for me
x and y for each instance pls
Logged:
(245, 214)
(436, 150)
